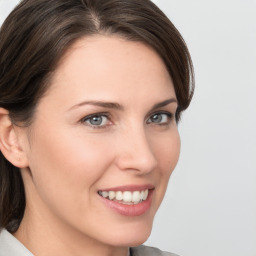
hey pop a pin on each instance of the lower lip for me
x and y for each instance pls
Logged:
(130, 210)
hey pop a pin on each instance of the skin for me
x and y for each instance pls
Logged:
(66, 160)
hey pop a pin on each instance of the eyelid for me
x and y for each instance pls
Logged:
(83, 120)
(169, 114)
(104, 114)
(161, 112)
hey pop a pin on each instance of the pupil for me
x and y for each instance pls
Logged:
(157, 118)
(96, 120)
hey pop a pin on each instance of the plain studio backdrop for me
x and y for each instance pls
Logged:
(210, 205)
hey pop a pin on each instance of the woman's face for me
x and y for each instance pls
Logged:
(103, 137)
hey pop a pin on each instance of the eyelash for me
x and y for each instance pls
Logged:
(169, 117)
(86, 120)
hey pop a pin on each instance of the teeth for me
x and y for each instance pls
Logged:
(145, 195)
(136, 196)
(111, 195)
(119, 196)
(126, 197)
(105, 194)
(142, 195)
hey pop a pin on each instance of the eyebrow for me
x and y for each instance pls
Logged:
(117, 106)
(102, 104)
(164, 103)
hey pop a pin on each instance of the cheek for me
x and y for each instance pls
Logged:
(167, 151)
(67, 163)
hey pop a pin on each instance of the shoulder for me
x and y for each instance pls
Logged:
(149, 251)
(10, 246)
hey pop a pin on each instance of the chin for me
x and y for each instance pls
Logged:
(131, 236)
(131, 241)
(138, 241)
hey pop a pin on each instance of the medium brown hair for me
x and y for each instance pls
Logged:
(35, 36)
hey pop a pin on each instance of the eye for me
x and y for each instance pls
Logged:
(96, 120)
(160, 118)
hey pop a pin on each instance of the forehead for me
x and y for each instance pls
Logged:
(99, 66)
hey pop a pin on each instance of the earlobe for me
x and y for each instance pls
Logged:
(9, 141)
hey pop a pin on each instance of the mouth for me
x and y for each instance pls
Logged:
(128, 200)
(125, 197)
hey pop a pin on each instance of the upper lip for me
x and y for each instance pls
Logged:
(130, 188)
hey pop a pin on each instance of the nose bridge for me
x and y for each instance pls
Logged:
(136, 152)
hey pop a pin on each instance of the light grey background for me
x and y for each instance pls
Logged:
(210, 206)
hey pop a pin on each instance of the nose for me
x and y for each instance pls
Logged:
(135, 152)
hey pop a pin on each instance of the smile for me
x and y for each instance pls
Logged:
(125, 197)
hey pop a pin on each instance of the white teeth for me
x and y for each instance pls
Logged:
(119, 196)
(127, 197)
(142, 195)
(145, 194)
(111, 195)
(136, 196)
(105, 194)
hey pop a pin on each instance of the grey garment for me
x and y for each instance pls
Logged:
(10, 246)
(149, 251)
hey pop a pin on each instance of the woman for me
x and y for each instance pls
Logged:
(90, 95)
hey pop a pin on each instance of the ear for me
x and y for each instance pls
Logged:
(9, 141)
